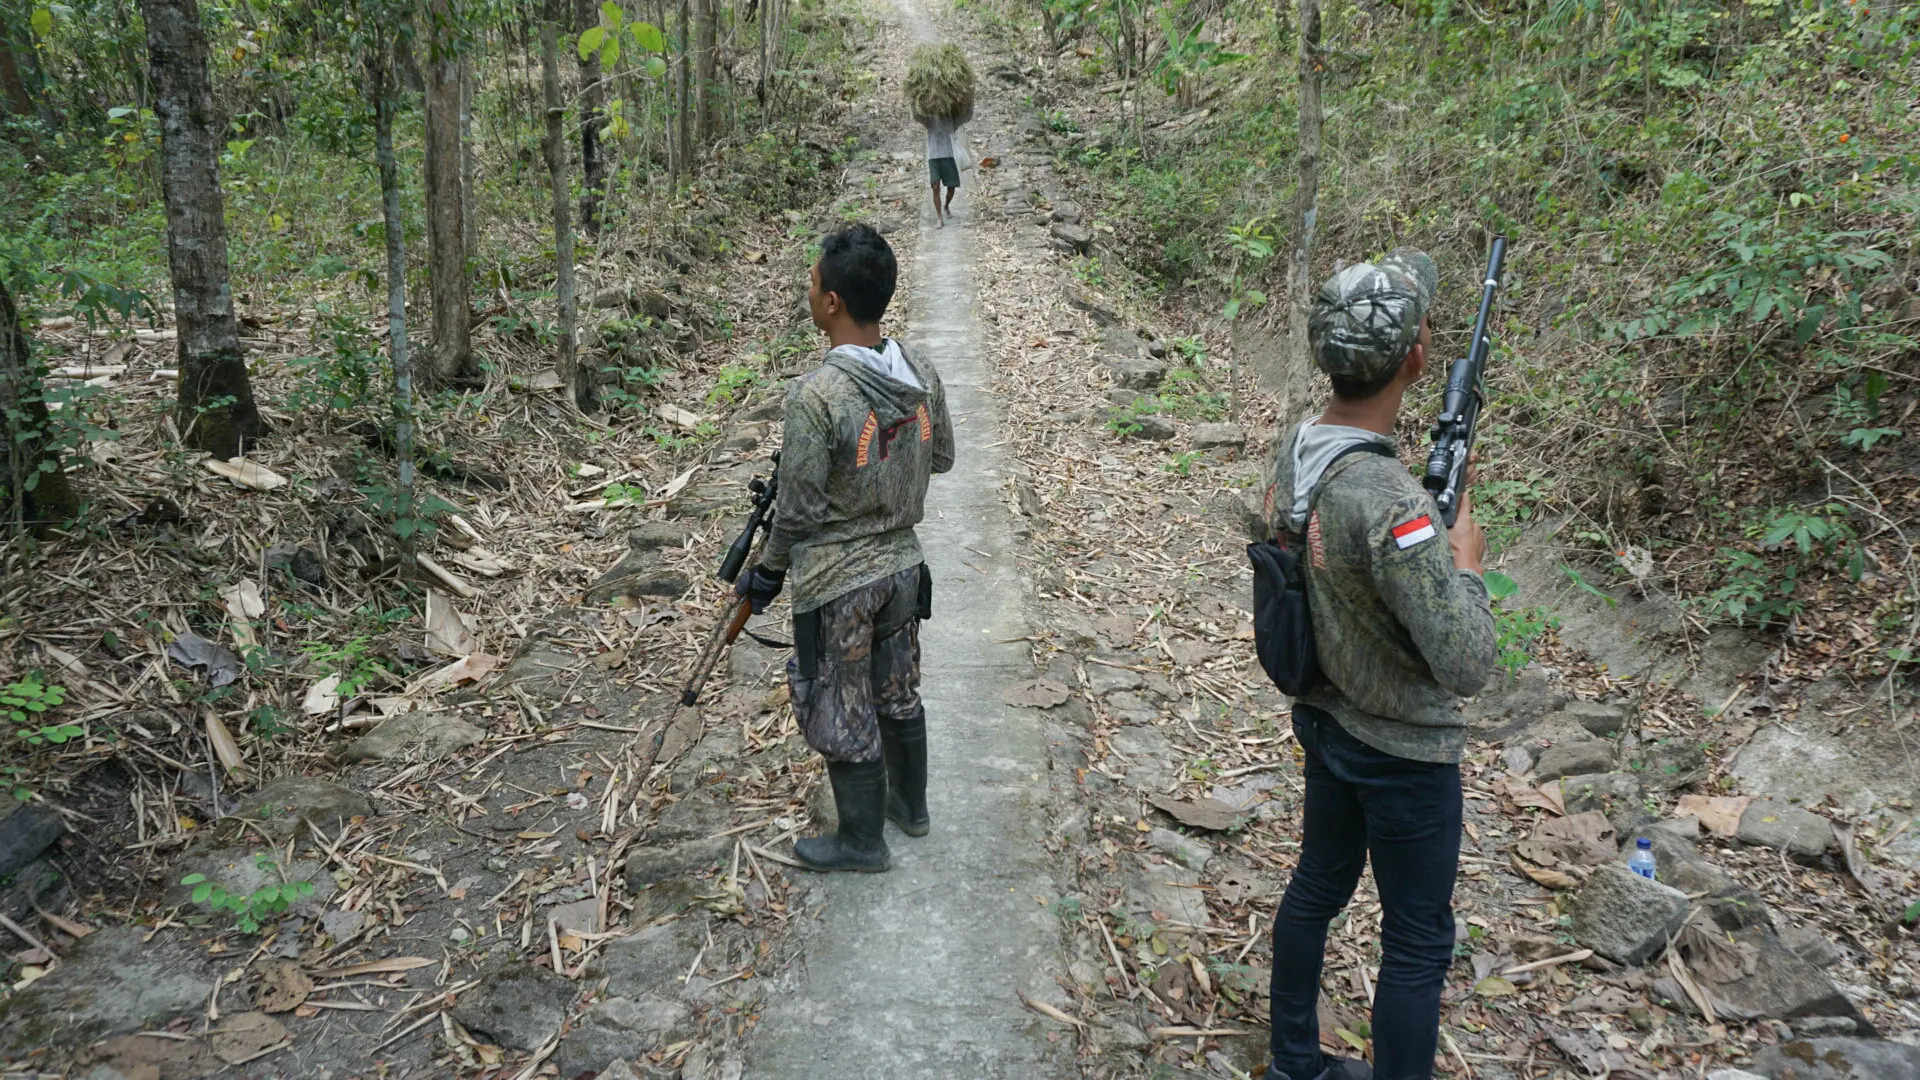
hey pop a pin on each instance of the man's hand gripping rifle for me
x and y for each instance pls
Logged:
(747, 549)
(1460, 408)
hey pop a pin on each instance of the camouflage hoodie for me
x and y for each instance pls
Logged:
(858, 449)
(1402, 634)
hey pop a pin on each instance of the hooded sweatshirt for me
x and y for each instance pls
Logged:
(1402, 635)
(864, 431)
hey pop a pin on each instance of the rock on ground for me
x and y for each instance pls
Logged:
(1782, 825)
(619, 1028)
(1217, 436)
(292, 803)
(1604, 721)
(1625, 917)
(1576, 758)
(651, 961)
(26, 830)
(428, 736)
(1508, 704)
(1782, 986)
(110, 983)
(516, 1005)
(1839, 1059)
(1679, 863)
(1615, 794)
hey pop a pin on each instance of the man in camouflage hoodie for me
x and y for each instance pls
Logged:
(1403, 628)
(864, 431)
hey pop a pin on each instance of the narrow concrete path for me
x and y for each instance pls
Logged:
(913, 973)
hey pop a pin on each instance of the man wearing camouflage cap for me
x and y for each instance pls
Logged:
(1403, 629)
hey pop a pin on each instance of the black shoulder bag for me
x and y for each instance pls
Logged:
(1282, 620)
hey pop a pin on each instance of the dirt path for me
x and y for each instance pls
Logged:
(913, 973)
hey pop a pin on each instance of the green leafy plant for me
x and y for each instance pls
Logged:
(1182, 463)
(1516, 629)
(27, 701)
(251, 910)
(615, 33)
(733, 384)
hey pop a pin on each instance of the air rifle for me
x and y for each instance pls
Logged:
(750, 544)
(1460, 407)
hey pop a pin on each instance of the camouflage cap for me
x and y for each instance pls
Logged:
(1366, 317)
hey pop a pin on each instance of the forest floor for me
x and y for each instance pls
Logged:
(528, 862)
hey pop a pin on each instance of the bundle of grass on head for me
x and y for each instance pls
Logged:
(940, 82)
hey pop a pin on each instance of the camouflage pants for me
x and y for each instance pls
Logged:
(856, 664)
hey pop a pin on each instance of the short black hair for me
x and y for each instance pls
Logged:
(1355, 390)
(857, 263)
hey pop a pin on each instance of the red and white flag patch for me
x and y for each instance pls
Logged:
(1408, 533)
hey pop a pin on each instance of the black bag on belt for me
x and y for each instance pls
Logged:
(1282, 619)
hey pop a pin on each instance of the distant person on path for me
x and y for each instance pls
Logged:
(864, 431)
(942, 165)
(1404, 630)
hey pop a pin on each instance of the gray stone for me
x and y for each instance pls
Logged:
(1669, 765)
(1130, 708)
(536, 663)
(1080, 300)
(290, 804)
(1604, 721)
(1678, 863)
(1810, 945)
(516, 1005)
(745, 437)
(303, 563)
(109, 982)
(656, 535)
(1737, 908)
(651, 961)
(1122, 397)
(1517, 760)
(1076, 237)
(1066, 210)
(1782, 825)
(1839, 1059)
(1134, 372)
(1780, 986)
(620, 1028)
(244, 870)
(1118, 1035)
(1166, 893)
(1217, 436)
(1103, 679)
(771, 409)
(424, 736)
(1577, 758)
(1186, 849)
(1733, 1074)
(618, 1069)
(1509, 704)
(1625, 917)
(1615, 794)
(26, 830)
(1815, 1027)
(1154, 428)
(1149, 757)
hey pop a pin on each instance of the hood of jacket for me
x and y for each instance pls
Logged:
(885, 379)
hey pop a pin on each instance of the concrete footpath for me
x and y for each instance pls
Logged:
(913, 973)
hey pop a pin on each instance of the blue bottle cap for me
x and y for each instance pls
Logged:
(1643, 844)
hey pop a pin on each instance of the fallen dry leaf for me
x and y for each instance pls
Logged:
(1718, 814)
(1036, 694)
(1203, 813)
(283, 986)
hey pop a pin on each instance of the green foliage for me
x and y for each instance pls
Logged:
(733, 384)
(354, 662)
(614, 35)
(27, 702)
(1182, 463)
(1516, 628)
(250, 911)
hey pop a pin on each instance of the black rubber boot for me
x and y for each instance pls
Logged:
(904, 742)
(860, 796)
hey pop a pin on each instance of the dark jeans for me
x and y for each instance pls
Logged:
(1406, 815)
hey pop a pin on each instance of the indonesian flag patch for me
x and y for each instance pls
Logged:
(1408, 533)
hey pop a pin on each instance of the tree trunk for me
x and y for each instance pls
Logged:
(686, 95)
(446, 231)
(578, 383)
(380, 77)
(33, 492)
(216, 411)
(760, 79)
(1297, 371)
(13, 80)
(593, 100)
(707, 38)
(469, 221)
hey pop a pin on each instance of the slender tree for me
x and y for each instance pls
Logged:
(1296, 368)
(469, 221)
(16, 54)
(578, 383)
(33, 492)
(379, 59)
(707, 45)
(684, 84)
(446, 231)
(593, 120)
(216, 410)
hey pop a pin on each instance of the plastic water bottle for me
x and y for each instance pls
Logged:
(1641, 861)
